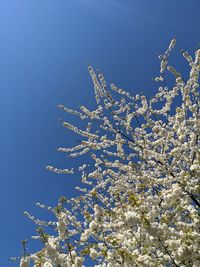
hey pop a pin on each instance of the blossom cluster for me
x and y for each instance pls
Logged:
(139, 204)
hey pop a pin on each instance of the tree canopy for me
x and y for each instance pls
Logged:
(139, 203)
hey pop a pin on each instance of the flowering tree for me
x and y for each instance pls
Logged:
(140, 200)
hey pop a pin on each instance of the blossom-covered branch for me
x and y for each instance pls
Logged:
(139, 204)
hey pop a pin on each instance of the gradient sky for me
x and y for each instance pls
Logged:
(44, 45)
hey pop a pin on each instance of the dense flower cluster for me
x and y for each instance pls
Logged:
(140, 200)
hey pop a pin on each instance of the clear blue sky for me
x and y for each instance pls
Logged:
(44, 45)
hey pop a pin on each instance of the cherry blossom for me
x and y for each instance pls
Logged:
(139, 203)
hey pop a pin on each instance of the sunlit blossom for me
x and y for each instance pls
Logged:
(139, 200)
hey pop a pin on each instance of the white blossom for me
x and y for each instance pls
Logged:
(139, 202)
(25, 262)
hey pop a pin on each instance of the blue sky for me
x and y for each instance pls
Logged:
(43, 52)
